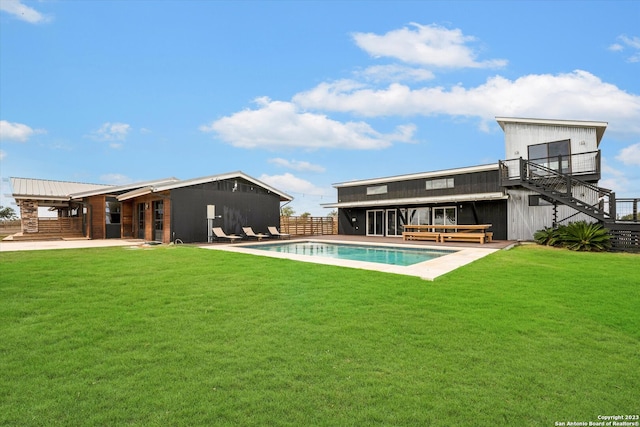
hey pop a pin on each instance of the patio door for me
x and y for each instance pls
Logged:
(112, 218)
(375, 223)
(445, 216)
(392, 223)
(158, 220)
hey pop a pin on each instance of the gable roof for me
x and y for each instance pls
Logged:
(599, 126)
(61, 191)
(203, 180)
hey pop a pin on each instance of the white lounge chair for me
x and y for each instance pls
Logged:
(248, 231)
(222, 235)
(274, 232)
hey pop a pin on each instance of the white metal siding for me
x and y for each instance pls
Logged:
(519, 136)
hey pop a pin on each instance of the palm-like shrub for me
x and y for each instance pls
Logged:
(548, 236)
(584, 236)
(577, 236)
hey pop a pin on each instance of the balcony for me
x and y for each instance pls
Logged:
(585, 166)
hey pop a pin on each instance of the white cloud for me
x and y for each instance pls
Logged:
(297, 165)
(386, 73)
(115, 179)
(613, 179)
(277, 124)
(290, 183)
(576, 95)
(111, 132)
(628, 43)
(307, 196)
(630, 155)
(16, 131)
(22, 12)
(429, 45)
(3, 154)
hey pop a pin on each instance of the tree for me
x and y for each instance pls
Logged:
(287, 211)
(305, 215)
(7, 214)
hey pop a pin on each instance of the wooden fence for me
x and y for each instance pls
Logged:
(308, 225)
(60, 225)
(10, 227)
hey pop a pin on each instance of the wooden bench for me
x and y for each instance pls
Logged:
(420, 235)
(463, 237)
(489, 235)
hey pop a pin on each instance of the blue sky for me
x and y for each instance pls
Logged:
(304, 94)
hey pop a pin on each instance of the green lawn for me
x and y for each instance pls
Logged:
(183, 336)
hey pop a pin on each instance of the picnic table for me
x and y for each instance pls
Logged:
(449, 232)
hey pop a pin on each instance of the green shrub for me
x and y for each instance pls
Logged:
(584, 236)
(549, 236)
(576, 236)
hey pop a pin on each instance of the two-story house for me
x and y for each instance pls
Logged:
(550, 178)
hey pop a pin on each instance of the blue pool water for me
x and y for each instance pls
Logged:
(379, 254)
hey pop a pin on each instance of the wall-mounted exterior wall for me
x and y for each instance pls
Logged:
(97, 216)
(249, 205)
(519, 136)
(524, 220)
(464, 183)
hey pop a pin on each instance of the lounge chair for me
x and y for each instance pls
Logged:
(274, 232)
(248, 231)
(222, 235)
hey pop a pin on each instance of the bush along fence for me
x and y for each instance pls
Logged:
(308, 225)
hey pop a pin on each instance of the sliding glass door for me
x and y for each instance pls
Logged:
(375, 223)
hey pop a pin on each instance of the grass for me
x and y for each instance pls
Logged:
(183, 336)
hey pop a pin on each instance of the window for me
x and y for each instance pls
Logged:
(380, 189)
(445, 216)
(418, 216)
(554, 155)
(537, 200)
(437, 184)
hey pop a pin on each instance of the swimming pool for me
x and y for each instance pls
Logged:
(401, 256)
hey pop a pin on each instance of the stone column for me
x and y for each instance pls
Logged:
(29, 215)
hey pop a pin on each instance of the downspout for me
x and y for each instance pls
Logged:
(284, 206)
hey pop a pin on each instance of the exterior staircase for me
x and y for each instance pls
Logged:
(564, 188)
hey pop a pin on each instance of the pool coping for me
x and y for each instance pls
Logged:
(427, 270)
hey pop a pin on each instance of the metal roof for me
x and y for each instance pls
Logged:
(599, 126)
(47, 190)
(43, 189)
(123, 188)
(196, 181)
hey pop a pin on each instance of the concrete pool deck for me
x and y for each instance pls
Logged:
(427, 270)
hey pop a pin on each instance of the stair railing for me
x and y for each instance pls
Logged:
(564, 185)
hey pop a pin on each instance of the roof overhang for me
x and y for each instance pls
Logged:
(135, 193)
(422, 175)
(600, 127)
(197, 181)
(123, 188)
(419, 200)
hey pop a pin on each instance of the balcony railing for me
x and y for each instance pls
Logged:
(576, 164)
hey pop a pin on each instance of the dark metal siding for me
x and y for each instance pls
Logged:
(248, 205)
(468, 183)
(481, 212)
